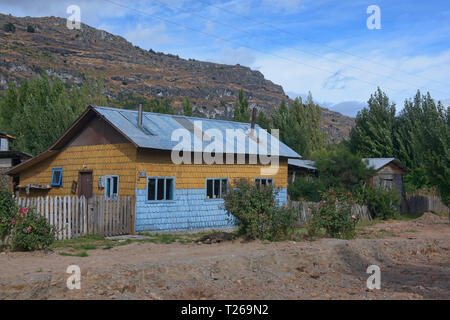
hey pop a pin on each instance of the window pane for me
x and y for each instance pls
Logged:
(160, 190)
(270, 181)
(56, 177)
(209, 189)
(115, 184)
(216, 188)
(224, 186)
(169, 185)
(151, 189)
(108, 187)
(263, 182)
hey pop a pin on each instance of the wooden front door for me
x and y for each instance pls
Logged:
(85, 181)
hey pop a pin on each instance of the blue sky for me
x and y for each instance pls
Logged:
(322, 46)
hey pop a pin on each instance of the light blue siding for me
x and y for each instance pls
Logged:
(190, 210)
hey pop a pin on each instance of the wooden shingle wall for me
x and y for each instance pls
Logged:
(101, 159)
(192, 176)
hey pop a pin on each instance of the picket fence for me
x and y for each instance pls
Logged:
(74, 217)
(304, 212)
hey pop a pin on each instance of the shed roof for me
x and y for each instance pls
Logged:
(378, 163)
(375, 163)
(5, 135)
(307, 164)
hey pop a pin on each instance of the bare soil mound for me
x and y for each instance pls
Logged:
(414, 258)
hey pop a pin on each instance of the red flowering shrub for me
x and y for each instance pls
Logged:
(31, 231)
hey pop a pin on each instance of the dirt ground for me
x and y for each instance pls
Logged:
(414, 258)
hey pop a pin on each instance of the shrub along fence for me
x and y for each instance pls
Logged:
(303, 213)
(74, 216)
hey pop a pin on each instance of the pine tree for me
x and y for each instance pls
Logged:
(372, 135)
(241, 112)
(39, 110)
(187, 108)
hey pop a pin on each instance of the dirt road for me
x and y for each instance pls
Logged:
(414, 258)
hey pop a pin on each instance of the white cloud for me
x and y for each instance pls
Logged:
(291, 5)
(242, 56)
(148, 37)
(301, 72)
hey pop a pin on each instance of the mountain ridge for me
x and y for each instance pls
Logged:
(45, 44)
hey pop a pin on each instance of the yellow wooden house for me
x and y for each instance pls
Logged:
(111, 152)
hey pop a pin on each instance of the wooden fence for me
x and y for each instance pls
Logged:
(303, 213)
(419, 204)
(74, 216)
(111, 216)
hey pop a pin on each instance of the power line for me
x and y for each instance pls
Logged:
(235, 42)
(307, 52)
(321, 44)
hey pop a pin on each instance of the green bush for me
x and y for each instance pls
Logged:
(258, 214)
(382, 203)
(305, 189)
(31, 29)
(9, 27)
(8, 212)
(31, 231)
(334, 216)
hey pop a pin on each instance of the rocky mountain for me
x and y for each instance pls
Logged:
(29, 46)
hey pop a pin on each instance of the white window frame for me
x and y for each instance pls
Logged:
(110, 178)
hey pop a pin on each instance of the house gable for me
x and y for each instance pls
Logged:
(97, 132)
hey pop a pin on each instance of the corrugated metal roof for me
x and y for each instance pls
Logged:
(307, 164)
(157, 129)
(377, 163)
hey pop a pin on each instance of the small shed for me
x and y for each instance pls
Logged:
(389, 173)
(297, 167)
(10, 158)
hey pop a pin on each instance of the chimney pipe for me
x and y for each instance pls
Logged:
(140, 115)
(253, 118)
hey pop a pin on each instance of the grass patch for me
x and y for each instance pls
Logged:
(441, 214)
(39, 270)
(79, 254)
(92, 242)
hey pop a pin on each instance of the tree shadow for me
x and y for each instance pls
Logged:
(430, 281)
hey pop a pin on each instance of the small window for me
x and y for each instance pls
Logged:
(57, 177)
(111, 186)
(262, 182)
(216, 188)
(160, 188)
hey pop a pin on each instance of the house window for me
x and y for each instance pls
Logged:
(57, 177)
(160, 188)
(263, 182)
(216, 188)
(111, 186)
